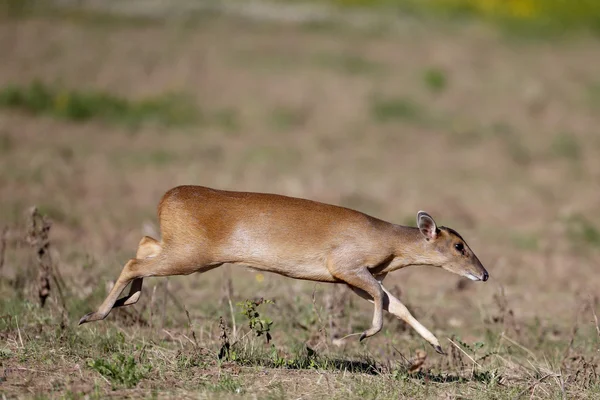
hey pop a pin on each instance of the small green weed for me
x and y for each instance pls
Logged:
(471, 348)
(41, 99)
(260, 325)
(581, 230)
(435, 80)
(5, 354)
(121, 370)
(395, 109)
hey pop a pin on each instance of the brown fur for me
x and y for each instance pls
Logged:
(203, 228)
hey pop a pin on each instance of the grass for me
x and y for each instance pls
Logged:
(582, 231)
(148, 359)
(226, 384)
(161, 363)
(525, 16)
(79, 106)
(435, 80)
(122, 357)
(539, 18)
(390, 109)
(121, 370)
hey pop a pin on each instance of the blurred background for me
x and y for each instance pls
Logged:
(485, 113)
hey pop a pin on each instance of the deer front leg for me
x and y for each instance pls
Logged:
(399, 310)
(392, 305)
(363, 280)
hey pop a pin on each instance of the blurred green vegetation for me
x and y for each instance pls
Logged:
(530, 15)
(39, 98)
(435, 80)
(518, 16)
(582, 231)
(396, 109)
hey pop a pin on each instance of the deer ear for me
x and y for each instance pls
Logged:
(426, 225)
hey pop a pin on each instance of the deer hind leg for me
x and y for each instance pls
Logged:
(135, 292)
(131, 271)
(363, 281)
(147, 251)
(148, 248)
(392, 305)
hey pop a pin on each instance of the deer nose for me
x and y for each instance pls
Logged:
(485, 276)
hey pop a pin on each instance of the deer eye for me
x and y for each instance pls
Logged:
(459, 247)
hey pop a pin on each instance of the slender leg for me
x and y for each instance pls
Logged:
(364, 281)
(147, 248)
(399, 310)
(131, 271)
(134, 294)
(392, 305)
(138, 268)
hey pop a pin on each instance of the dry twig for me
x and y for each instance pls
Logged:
(38, 239)
(195, 342)
(225, 345)
(19, 332)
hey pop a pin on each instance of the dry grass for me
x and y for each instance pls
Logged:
(506, 151)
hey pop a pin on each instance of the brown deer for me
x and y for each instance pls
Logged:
(204, 228)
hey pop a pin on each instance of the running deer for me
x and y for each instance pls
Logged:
(204, 228)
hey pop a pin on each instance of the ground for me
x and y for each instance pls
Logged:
(495, 136)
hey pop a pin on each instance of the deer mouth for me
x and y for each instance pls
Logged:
(484, 277)
(473, 277)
